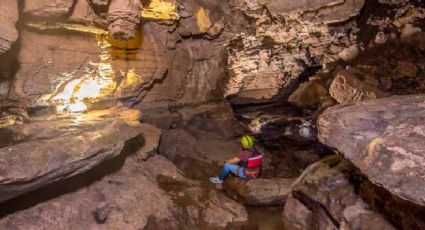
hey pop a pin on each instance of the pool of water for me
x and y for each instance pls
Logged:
(264, 218)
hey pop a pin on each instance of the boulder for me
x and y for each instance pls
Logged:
(296, 215)
(124, 17)
(311, 94)
(259, 191)
(383, 139)
(413, 36)
(160, 168)
(126, 199)
(352, 86)
(219, 211)
(83, 13)
(47, 8)
(52, 148)
(326, 199)
(407, 69)
(8, 19)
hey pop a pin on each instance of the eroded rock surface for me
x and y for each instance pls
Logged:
(46, 8)
(381, 136)
(47, 149)
(123, 200)
(124, 17)
(287, 39)
(8, 19)
(325, 198)
(353, 86)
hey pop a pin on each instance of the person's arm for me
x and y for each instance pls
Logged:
(233, 160)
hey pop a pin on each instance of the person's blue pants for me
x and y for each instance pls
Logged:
(231, 168)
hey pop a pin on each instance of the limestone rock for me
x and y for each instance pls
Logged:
(158, 167)
(327, 11)
(407, 69)
(100, 2)
(259, 191)
(124, 17)
(47, 8)
(103, 69)
(329, 200)
(311, 94)
(8, 18)
(160, 10)
(83, 13)
(179, 143)
(383, 138)
(296, 215)
(220, 211)
(268, 64)
(347, 87)
(194, 76)
(413, 36)
(123, 200)
(52, 148)
(350, 53)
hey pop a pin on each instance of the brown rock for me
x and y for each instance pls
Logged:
(331, 199)
(383, 139)
(296, 215)
(220, 211)
(123, 200)
(350, 53)
(413, 36)
(8, 18)
(83, 13)
(311, 94)
(111, 65)
(100, 2)
(407, 69)
(194, 75)
(347, 87)
(259, 191)
(158, 167)
(47, 8)
(124, 17)
(52, 148)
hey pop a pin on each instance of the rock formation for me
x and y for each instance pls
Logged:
(323, 198)
(52, 148)
(8, 19)
(383, 139)
(114, 113)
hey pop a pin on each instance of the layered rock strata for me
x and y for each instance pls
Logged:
(52, 148)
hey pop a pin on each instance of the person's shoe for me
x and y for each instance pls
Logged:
(216, 180)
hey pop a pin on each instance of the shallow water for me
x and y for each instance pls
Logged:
(265, 218)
